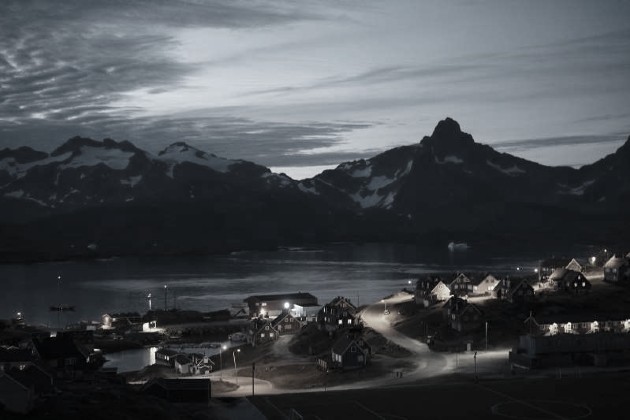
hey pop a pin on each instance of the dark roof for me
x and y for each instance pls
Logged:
(280, 297)
(167, 352)
(182, 359)
(345, 342)
(341, 300)
(280, 317)
(15, 355)
(33, 376)
(59, 347)
(580, 317)
(616, 262)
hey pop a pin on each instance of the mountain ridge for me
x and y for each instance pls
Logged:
(447, 185)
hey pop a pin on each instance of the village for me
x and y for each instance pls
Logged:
(569, 314)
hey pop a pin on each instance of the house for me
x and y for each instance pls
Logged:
(200, 364)
(261, 331)
(337, 314)
(179, 390)
(182, 364)
(546, 267)
(461, 315)
(598, 348)
(431, 290)
(121, 320)
(461, 285)
(63, 353)
(485, 285)
(11, 357)
(514, 290)
(273, 305)
(617, 269)
(580, 324)
(285, 323)
(166, 357)
(350, 352)
(569, 281)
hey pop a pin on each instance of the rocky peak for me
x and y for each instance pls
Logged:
(74, 144)
(447, 133)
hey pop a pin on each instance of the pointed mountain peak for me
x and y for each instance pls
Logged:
(448, 132)
(74, 144)
(447, 128)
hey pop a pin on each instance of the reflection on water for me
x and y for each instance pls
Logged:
(364, 273)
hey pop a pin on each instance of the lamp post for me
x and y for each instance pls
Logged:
(165, 296)
(475, 358)
(385, 309)
(223, 347)
(234, 357)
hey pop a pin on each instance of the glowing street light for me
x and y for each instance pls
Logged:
(149, 299)
(165, 295)
(234, 356)
(287, 305)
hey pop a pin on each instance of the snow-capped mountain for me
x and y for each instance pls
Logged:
(125, 200)
(85, 173)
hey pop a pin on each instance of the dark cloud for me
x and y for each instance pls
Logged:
(267, 143)
(521, 145)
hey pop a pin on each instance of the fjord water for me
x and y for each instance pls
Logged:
(363, 272)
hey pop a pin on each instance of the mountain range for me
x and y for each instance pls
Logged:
(100, 198)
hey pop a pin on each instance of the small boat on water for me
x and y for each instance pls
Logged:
(459, 246)
(61, 308)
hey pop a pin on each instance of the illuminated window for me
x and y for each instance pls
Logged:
(349, 321)
(340, 321)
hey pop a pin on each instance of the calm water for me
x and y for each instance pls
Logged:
(364, 272)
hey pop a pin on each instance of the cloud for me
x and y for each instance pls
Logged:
(526, 144)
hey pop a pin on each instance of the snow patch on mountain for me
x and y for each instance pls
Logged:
(19, 170)
(379, 182)
(20, 194)
(367, 200)
(91, 156)
(132, 181)
(449, 159)
(361, 172)
(15, 194)
(308, 190)
(579, 190)
(178, 153)
(512, 171)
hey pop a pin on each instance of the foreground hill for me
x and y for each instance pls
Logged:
(91, 198)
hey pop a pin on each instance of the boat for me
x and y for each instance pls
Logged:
(459, 246)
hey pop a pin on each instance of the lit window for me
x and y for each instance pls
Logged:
(349, 321)
(340, 321)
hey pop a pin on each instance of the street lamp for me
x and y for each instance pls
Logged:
(223, 347)
(165, 295)
(385, 303)
(234, 357)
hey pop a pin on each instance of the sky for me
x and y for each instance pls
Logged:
(301, 86)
